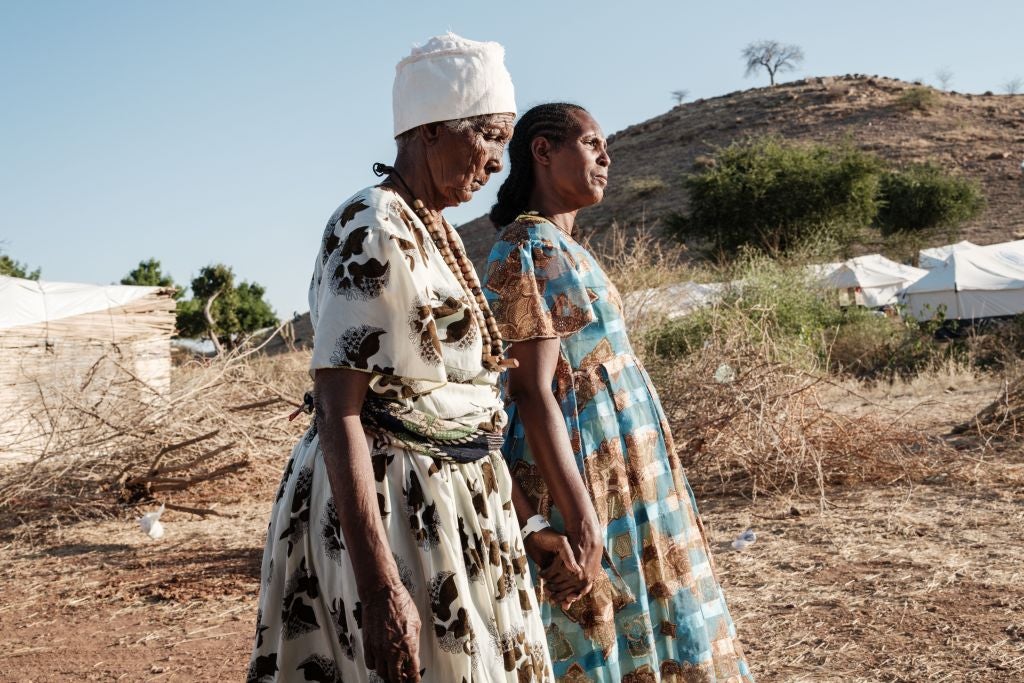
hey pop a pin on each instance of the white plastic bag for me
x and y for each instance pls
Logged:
(744, 539)
(150, 523)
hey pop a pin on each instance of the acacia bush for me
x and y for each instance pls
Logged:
(920, 98)
(235, 309)
(777, 197)
(774, 196)
(923, 198)
(876, 348)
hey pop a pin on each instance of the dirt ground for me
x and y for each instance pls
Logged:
(921, 583)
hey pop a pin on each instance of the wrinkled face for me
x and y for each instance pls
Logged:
(461, 162)
(579, 165)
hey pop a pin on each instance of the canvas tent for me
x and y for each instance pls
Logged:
(983, 282)
(933, 257)
(876, 280)
(63, 333)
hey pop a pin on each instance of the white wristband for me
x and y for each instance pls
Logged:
(534, 524)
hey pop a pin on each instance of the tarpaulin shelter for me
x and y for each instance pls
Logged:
(70, 334)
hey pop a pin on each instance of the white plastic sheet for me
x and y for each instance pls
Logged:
(29, 302)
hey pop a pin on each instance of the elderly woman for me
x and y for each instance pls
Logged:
(584, 416)
(394, 552)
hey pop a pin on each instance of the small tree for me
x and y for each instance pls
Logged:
(680, 95)
(944, 76)
(12, 268)
(772, 56)
(149, 274)
(220, 310)
(1014, 85)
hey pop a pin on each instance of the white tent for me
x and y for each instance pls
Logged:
(930, 258)
(983, 282)
(820, 271)
(876, 279)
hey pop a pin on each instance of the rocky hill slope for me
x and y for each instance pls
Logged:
(981, 136)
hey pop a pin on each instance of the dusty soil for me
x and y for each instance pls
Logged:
(875, 584)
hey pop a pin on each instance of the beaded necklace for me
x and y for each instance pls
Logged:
(443, 236)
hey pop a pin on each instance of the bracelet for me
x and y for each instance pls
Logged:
(534, 524)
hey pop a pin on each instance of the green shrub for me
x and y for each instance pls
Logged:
(645, 185)
(777, 307)
(770, 303)
(918, 99)
(862, 346)
(773, 196)
(926, 198)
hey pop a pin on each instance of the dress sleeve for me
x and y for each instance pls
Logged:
(533, 287)
(373, 306)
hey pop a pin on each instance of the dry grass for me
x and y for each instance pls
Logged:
(639, 257)
(747, 423)
(111, 445)
(749, 416)
(1003, 418)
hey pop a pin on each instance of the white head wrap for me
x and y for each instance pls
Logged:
(451, 78)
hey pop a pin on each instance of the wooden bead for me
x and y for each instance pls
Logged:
(443, 236)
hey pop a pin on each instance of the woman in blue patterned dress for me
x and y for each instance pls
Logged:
(583, 413)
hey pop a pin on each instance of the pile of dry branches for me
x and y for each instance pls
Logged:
(121, 443)
(1004, 417)
(746, 422)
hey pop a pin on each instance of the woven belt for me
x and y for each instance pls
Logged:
(440, 439)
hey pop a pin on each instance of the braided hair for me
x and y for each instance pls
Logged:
(555, 121)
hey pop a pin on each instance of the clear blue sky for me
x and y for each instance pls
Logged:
(199, 132)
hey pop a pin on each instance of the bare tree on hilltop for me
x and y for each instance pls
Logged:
(680, 95)
(945, 76)
(772, 56)
(1014, 86)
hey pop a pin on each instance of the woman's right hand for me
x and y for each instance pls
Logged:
(568, 566)
(391, 635)
(588, 546)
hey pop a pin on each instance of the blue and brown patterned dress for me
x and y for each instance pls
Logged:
(658, 613)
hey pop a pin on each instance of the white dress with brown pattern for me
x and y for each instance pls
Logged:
(383, 301)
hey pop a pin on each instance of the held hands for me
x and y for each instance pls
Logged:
(391, 634)
(566, 577)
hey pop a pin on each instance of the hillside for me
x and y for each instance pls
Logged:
(981, 136)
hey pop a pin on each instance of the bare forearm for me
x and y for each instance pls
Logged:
(549, 442)
(521, 502)
(353, 487)
(339, 399)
